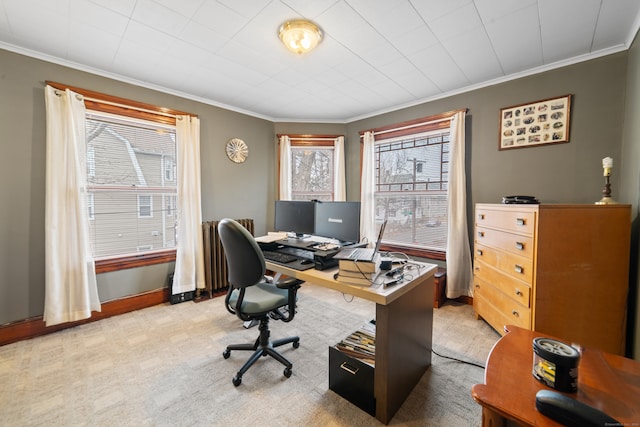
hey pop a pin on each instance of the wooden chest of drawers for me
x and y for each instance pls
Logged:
(558, 269)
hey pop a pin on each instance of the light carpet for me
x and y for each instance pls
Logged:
(163, 366)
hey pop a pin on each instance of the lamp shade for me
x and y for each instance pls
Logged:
(300, 36)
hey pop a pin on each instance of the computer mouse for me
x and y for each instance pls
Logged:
(306, 261)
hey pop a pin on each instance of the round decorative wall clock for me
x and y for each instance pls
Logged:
(237, 150)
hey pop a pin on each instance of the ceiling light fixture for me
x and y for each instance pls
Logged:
(300, 36)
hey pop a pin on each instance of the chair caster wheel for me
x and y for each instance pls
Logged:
(287, 372)
(226, 354)
(237, 380)
(296, 344)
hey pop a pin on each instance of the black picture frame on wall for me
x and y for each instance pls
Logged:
(536, 123)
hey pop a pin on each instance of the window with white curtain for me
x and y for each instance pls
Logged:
(132, 180)
(408, 170)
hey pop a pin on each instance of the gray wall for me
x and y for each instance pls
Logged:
(567, 173)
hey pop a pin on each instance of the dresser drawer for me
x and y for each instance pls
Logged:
(511, 220)
(493, 303)
(514, 243)
(514, 289)
(517, 266)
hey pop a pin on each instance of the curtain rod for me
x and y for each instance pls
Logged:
(101, 98)
(421, 122)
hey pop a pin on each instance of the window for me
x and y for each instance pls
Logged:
(411, 185)
(312, 173)
(132, 182)
(316, 171)
(129, 185)
(145, 206)
(411, 190)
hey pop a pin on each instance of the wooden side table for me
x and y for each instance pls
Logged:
(606, 381)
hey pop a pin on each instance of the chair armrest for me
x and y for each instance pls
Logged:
(289, 283)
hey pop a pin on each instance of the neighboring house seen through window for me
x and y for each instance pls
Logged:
(411, 189)
(131, 185)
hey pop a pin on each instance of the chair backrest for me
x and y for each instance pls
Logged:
(245, 262)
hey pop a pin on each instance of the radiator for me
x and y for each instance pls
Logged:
(215, 264)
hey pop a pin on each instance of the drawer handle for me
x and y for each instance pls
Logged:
(481, 217)
(480, 233)
(349, 368)
(477, 286)
(518, 269)
(519, 292)
(521, 221)
(515, 313)
(479, 252)
(520, 246)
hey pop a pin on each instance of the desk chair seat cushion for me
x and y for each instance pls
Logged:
(260, 299)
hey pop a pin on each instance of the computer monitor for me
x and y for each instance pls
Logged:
(338, 220)
(295, 216)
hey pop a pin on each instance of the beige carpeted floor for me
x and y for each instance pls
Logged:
(163, 366)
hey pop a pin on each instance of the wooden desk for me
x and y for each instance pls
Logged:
(606, 381)
(404, 325)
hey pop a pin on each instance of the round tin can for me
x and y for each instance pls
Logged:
(555, 364)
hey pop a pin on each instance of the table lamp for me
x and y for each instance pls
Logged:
(607, 165)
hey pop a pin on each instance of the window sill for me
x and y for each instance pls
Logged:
(132, 261)
(414, 252)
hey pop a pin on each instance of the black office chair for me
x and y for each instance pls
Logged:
(251, 297)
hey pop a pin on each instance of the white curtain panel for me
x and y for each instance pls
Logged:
(71, 291)
(367, 190)
(285, 168)
(339, 181)
(459, 269)
(189, 269)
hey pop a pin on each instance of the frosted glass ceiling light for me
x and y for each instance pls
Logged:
(300, 36)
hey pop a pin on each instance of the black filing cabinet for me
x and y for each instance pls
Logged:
(352, 379)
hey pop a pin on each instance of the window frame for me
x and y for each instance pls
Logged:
(433, 123)
(125, 107)
(304, 140)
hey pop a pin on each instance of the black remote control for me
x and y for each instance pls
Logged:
(571, 412)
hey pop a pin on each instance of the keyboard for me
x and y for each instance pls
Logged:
(279, 257)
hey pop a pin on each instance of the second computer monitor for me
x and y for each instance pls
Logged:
(338, 220)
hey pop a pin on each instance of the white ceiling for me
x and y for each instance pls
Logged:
(376, 55)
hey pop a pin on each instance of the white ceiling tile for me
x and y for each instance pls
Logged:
(565, 33)
(436, 63)
(156, 16)
(614, 23)
(308, 9)
(203, 37)
(459, 21)
(220, 18)
(431, 10)
(83, 12)
(82, 41)
(186, 8)
(516, 39)
(491, 10)
(123, 7)
(414, 41)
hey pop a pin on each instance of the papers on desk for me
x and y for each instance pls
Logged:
(271, 237)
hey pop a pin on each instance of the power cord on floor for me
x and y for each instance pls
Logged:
(458, 360)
